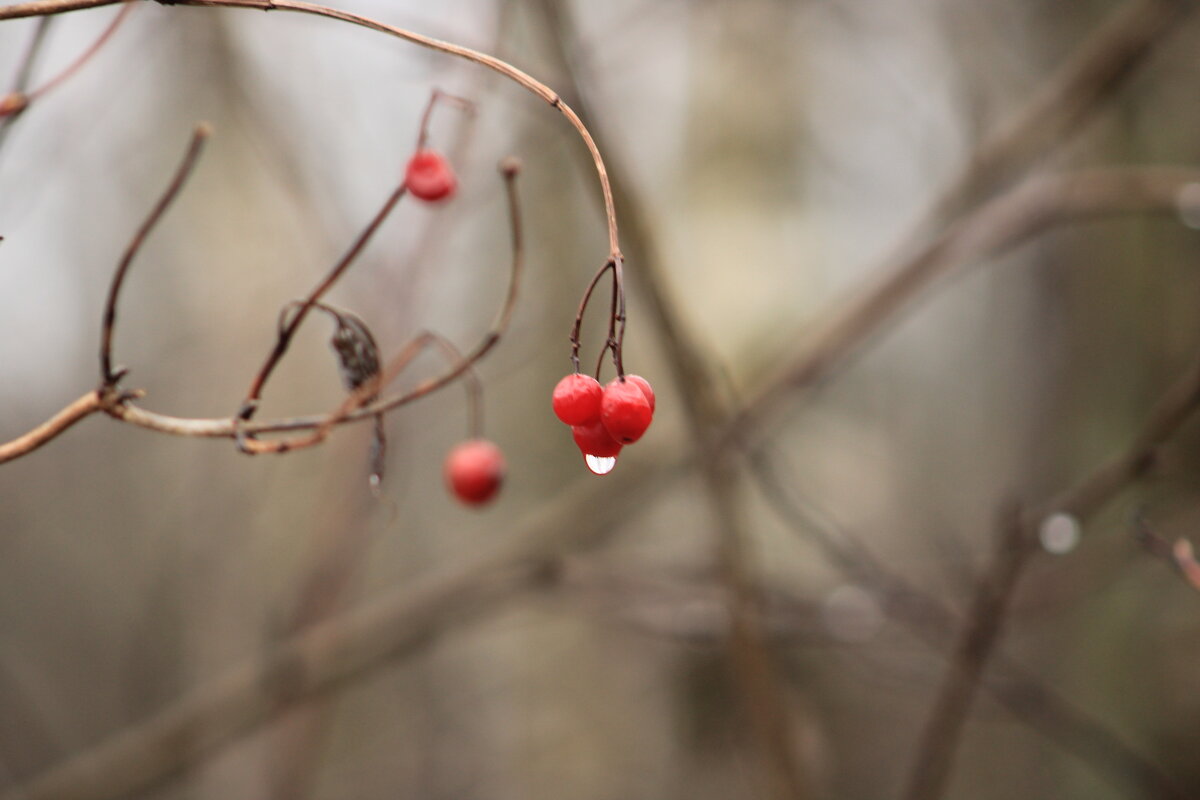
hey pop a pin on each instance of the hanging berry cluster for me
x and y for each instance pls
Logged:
(604, 419)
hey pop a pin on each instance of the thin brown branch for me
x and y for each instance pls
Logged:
(1005, 222)
(16, 100)
(86, 55)
(364, 394)
(288, 329)
(108, 324)
(44, 7)
(85, 406)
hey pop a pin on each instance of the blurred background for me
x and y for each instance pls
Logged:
(676, 629)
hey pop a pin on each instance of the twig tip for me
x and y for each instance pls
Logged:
(510, 166)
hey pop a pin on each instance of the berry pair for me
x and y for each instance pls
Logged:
(604, 419)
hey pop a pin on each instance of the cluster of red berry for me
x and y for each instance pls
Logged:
(604, 419)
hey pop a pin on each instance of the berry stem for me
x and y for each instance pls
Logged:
(108, 325)
(434, 97)
(583, 304)
(470, 379)
(86, 55)
(284, 339)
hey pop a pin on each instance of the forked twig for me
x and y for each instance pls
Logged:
(358, 401)
(1010, 219)
(289, 327)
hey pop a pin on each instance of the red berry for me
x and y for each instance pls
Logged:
(429, 176)
(644, 385)
(593, 439)
(474, 471)
(577, 399)
(625, 411)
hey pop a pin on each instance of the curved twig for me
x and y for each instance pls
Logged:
(199, 135)
(44, 7)
(354, 406)
(288, 329)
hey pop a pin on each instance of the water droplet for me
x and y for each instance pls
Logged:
(600, 465)
(1059, 533)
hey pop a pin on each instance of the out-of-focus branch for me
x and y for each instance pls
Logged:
(1177, 404)
(86, 55)
(1071, 95)
(982, 626)
(1080, 87)
(1180, 553)
(755, 675)
(1016, 688)
(336, 651)
(1013, 217)
(985, 619)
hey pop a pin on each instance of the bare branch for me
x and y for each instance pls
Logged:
(1015, 687)
(86, 405)
(1014, 217)
(199, 135)
(985, 620)
(353, 405)
(331, 653)
(43, 7)
(86, 55)
(289, 327)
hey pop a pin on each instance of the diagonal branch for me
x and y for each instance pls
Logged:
(1029, 208)
(329, 654)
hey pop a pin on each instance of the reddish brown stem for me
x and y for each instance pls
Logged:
(436, 96)
(107, 373)
(85, 56)
(284, 339)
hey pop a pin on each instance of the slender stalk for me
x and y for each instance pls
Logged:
(108, 323)
(86, 55)
(288, 330)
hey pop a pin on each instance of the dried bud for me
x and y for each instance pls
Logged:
(13, 103)
(358, 356)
